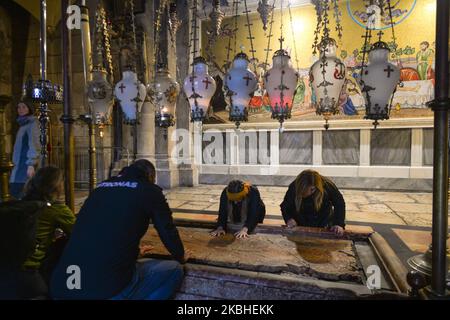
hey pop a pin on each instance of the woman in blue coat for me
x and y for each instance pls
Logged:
(26, 149)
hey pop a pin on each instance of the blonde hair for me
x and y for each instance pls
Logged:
(304, 180)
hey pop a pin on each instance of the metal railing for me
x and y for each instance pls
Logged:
(108, 160)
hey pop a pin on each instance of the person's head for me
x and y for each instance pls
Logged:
(309, 183)
(144, 169)
(46, 185)
(237, 190)
(25, 108)
(424, 45)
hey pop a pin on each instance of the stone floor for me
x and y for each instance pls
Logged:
(403, 218)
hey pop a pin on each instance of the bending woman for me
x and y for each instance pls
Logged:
(313, 200)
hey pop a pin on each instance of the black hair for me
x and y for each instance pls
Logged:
(235, 186)
(142, 169)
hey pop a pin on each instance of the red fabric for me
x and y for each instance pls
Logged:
(409, 74)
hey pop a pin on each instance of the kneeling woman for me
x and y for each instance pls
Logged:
(313, 200)
(240, 203)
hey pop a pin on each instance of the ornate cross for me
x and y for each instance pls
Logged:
(122, 87)
(206, 82)
(380, 34)
(191, 78)
(247, 79)
(388, 70)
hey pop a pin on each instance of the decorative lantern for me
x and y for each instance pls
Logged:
(199, 87)
(280, 83)
(240, 84)
(327, 77)
(100, 96)
(130, 93)
(378, 82)
(264, 10)
(216, 17)
(163, 93)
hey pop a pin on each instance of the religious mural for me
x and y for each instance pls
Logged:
(412, 50)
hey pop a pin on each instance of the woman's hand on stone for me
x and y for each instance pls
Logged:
(218, 232)
(338, 230)
(291, 223)
(243, 234)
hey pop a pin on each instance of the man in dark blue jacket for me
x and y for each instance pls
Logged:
(100, 260)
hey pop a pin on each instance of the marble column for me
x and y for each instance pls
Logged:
(187, 166)
(146, 129)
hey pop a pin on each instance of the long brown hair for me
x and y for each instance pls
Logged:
(304, 180)
(46, 185)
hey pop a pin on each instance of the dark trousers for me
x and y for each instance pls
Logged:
(16, 190)
(153, 280)
(32, 283)
(22, 285)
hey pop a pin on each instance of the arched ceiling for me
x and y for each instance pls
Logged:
(34, 7)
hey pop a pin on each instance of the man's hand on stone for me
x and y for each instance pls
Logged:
(291, 223)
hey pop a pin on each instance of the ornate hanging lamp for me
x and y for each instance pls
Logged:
(99, 91)
(43, 91)
(129, 91)
(240, 84)
(327, 75)
(265, 10)
(216, 17)
(163, 93)
(281, 82)
(198, 86)
(164, 90)
(379, 78)
(174, 22)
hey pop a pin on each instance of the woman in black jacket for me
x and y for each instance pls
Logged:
(240, 203)
(313, 200)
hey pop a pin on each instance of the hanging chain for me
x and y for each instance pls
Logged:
(194, 29)
(394, 39)
(236, 15)
(315, 45)
(159, 12)
(232, 34)
(193, 44)
(269, 37)
(133, 28)
(250, 37)
(337, 16)
(281, 26)
(325, 19)
(367, 36)
(397, 58)
(293, 37)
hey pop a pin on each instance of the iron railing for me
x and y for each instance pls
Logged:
(108, 160)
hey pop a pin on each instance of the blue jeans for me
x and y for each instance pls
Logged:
(153, 280)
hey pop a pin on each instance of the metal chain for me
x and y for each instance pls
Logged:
(230, 35)
(236, 15)
(393, 34)
(293, 37)
(194, 29)
(159, 12)
(250, 37)
(281, 25)
(269, 37)
(337, 15)
(315, 45)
